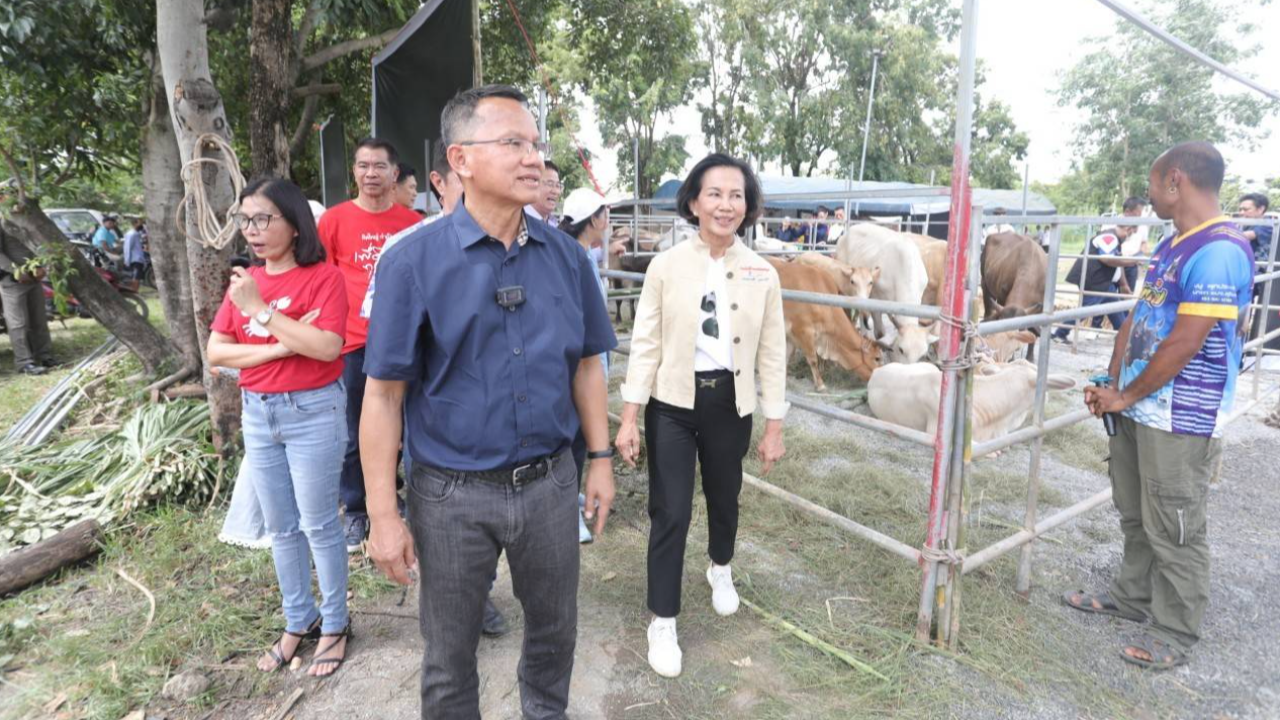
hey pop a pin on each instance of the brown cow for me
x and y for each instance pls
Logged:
(823, 331)
(628, 263)
(1013, 272)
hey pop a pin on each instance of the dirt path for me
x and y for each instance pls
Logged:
(1033, 659)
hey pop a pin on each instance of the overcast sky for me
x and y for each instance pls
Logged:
(1025, 44)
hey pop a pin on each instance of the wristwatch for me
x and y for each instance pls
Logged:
(264, 316)
(600, 454)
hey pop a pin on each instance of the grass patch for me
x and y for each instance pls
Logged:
(82, 631)
(73, 339)
(1079, 445)
(87, 635)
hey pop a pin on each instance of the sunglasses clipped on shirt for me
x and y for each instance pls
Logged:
(710, 327)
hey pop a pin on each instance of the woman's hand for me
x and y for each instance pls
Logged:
(244, 292)
(628, 442)
(628, 439)
(771, 448)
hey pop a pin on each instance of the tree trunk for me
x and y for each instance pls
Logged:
(196, 108)
(162, 180)
(34, 229)
(271, 78)
(34, 563)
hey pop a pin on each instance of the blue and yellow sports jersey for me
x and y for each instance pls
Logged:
(1207, 271)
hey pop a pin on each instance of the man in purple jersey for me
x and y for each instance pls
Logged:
(1173, 373)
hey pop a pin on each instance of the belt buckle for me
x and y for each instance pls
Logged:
(517, 475)
(708, 382)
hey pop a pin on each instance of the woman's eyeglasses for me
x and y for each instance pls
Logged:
(260, 222)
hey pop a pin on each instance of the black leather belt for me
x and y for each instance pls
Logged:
(711, 378)
(514, 476)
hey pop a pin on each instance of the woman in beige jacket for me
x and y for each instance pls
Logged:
(710, 315)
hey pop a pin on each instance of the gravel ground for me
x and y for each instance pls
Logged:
(1233, 673)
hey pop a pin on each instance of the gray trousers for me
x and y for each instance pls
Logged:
(1160, 485)
(459, 527)
(24, 315)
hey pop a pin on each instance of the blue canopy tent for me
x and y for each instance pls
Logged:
(912, 208)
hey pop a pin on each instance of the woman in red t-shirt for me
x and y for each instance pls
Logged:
(283, 324)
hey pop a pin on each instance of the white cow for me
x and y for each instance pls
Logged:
(902, 278)
(1003, 393)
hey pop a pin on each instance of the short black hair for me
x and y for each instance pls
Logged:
(575, 229)
(692, 187)
(1134, 202)
(461, 108)
(1258, 200)
(375, 143)
(1200, 161)
(440, 166)
(406, 171)
(295, 210)
(549, 165)
(824, 208)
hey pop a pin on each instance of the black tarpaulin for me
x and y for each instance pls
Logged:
(417, 73)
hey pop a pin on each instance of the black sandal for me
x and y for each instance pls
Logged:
(276, 651)
(1163, 655)
(344, 634)
(1099, 603)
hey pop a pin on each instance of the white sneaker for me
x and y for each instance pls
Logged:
(664, 647)
(724, 598)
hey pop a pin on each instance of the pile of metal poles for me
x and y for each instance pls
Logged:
(45, 417)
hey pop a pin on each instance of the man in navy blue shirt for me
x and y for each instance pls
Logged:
(485, 338)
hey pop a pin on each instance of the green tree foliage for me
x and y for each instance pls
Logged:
(71, 90)
(787, 81)
(640, 62)
(1137, 96)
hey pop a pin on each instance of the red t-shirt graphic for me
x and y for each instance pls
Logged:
(353, 240)
(293, 293)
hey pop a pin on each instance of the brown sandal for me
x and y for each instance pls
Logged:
(1160, 654)
(1099, 603)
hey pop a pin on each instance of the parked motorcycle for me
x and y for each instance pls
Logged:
(126, 286)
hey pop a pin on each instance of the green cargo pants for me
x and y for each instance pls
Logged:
(1160, 485)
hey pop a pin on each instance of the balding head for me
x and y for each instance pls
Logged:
(1184, 184)
(1200, 163)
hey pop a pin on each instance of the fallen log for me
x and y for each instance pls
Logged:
(35, 562)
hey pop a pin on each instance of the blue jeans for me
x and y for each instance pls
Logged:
(293, 443)
(1116, 318)
(460, 525)
(352, 485)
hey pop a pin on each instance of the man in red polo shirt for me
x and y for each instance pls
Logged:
(353, 234)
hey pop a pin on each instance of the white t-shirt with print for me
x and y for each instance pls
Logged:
(714, 347)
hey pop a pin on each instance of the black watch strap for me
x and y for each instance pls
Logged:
(600, 454)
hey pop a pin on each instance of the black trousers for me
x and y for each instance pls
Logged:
(712, 433)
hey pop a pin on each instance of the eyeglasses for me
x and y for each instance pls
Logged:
(553, 184)
(260, 222)
(513, 145)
